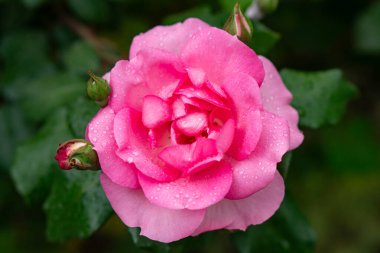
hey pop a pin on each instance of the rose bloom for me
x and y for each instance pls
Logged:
(192, 134)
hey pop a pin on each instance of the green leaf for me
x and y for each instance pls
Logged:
(263, 38)
(44, 95)
(283, 166)
(13, 130)
(94, 11)
(202, 12)
(320, 97)
(367, 30)
(147, 244)
(286, 232)
(81, 112)
(76, 206)
(80, 58)
(32, 169)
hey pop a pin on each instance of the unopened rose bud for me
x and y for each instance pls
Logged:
(237, 24)
(268, 6)
(77, 154)
(98, 89)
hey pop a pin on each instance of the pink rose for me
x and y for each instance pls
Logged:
(194, 128)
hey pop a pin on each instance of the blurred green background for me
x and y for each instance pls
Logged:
(46, 47)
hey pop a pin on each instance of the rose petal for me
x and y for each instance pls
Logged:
(245, 95)
(169, 38)
(123, 77)
(185, 156)
(197, 76)
(160, 137)
(100, 134)
(277, 98)
(226, 136)
(257, 171)
(134, 146)
(239, 214)
(157, 223)
(192, 124)
(155, 111)
(151, 72)
(221, 55)
(178, 108)
(196, 191)
(216, 89)
(204, 95)
(162, 71)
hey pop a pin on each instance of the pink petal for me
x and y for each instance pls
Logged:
(157, 223)
(196, 191)
(162, 71)
(202, 94)
(197, 76)
(257, 171)
(185, 156)
(134, 146)
(107, 77)
(155, 111)
(100, 134)
(151, 72)
(216, 89)
(277, 98)
(239, 214)
(169, 38)
(226, 136)
(160, 137)
(196, 104)
(245, 95)
(123, 77)
(192, 124)
(221, 55)
(178, 108)
(177, 156)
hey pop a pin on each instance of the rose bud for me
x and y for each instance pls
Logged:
(77, 154)
(98, 89)
(237, 24)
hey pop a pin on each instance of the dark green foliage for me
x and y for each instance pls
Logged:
(76, 206)
(34, 164)
(82, 111)
(320, 97)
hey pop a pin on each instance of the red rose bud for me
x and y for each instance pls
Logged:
(98, 89)
(77, 154)
(237, 24)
